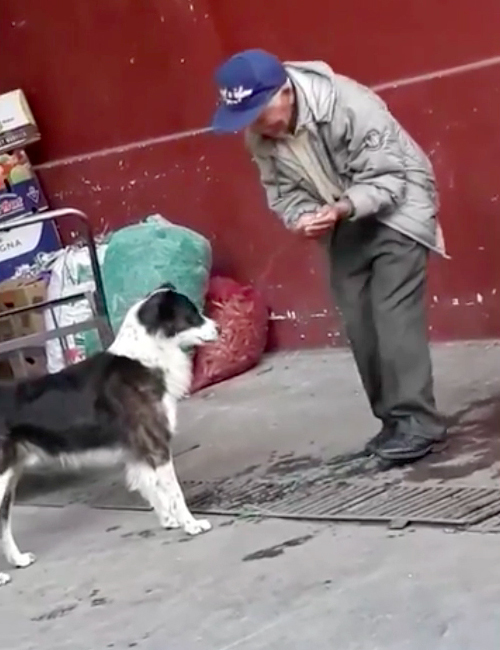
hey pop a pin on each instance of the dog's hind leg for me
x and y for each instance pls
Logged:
(8, 483)
(4, 481)
(5, 478)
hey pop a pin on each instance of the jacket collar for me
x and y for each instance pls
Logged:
(315, 97)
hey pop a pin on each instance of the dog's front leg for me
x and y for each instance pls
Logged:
(170, 407)
(142, 478)
(170, 493)
(160, 487)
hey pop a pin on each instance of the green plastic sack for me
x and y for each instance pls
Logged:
(141, 257)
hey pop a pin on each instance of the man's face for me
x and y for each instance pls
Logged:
(276, 119)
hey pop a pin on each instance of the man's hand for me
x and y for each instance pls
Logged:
(304, 222)
(317, 224)
(324, 220)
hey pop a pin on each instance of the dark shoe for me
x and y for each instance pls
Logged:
(387, 430)
(404, 446)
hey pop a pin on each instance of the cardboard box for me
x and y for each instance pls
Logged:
(17, 124)
(15, 294)
(21, 293)
(21, 245)
(32, 364)
(20, 192)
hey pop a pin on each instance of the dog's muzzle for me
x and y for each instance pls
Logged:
(209, 331)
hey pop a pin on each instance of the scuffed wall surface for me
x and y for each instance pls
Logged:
(121, 88)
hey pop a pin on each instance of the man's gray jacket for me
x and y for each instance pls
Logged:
(362, 150)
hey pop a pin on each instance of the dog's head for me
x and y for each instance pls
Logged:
(172, 315)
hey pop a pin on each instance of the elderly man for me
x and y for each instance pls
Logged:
(336, 166)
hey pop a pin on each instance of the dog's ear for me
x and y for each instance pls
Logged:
(168, 285)
(158, 312)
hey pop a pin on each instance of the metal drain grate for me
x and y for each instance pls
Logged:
(365, 501)
(311, 498)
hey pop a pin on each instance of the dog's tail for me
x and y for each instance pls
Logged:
(7, 407)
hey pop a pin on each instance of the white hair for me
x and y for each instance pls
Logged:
(275, 98)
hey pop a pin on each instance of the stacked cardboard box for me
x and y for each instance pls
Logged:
(21, 195)
(13, 295)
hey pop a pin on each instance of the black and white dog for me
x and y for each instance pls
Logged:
(119, 406)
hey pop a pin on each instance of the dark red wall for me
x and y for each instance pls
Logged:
(119, 88)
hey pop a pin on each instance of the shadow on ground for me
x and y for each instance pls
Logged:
(472, 448)
(473, 445)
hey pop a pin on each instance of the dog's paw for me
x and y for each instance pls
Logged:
(23, 560)
(4, 579)
(197, 526)
(169, 522)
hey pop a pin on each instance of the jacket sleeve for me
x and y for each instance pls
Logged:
(285, 196)
(376, 161)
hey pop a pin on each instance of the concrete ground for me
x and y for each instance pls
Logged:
(112, 579)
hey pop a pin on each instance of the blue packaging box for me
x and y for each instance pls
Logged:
(21, 195)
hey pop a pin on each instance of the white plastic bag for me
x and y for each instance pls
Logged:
(71, 265)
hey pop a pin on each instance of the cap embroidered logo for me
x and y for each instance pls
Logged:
(231, 96)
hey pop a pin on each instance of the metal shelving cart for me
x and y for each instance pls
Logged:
(96, 299)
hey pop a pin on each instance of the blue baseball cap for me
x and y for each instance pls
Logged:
(247, 81)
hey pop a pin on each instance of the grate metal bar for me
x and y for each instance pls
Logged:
(330, 501)
(468, 503)
(484, 514)
(452, 496)
(488, 525)
(400, 502)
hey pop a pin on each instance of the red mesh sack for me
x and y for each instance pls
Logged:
(242, 318)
